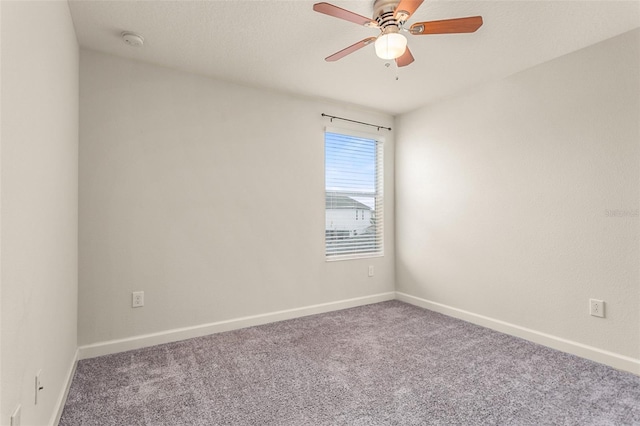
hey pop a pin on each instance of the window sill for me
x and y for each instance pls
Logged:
(337, 258)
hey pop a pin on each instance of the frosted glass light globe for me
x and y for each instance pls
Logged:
(391, 46)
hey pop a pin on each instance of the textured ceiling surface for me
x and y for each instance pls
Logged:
(281, 45)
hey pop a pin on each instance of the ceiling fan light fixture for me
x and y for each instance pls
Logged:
(391, 45)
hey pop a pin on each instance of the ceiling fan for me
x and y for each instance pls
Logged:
(390, 17)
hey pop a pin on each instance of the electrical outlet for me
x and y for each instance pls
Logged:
(596, 308)
(370, 270)
(137, 299)
(38, 385)
(15, 417)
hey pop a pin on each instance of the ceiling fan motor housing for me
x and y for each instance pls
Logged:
(384, 15)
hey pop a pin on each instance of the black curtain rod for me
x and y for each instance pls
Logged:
(354, 121)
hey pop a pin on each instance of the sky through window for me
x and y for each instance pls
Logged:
(350, 166)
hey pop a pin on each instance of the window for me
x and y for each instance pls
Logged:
(353, 196)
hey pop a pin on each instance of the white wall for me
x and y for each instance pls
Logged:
(39, 187)
(506, 199)
(1, 411)
(183, 184)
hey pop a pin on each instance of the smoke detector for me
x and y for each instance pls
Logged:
(132, 39)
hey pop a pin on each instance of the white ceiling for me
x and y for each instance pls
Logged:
(281, 45)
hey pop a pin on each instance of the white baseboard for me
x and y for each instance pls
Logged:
(174, 335)
(612, 359)
(62, 398)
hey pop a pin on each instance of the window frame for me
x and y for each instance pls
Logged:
(378, 193)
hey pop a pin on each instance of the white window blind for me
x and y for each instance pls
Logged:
(353, 196)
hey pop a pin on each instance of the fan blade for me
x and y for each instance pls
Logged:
(406, 8)
(447, 26)
(338, 12)
(405, 59)
(347, 50)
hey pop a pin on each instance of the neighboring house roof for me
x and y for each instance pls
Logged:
(339, 201)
